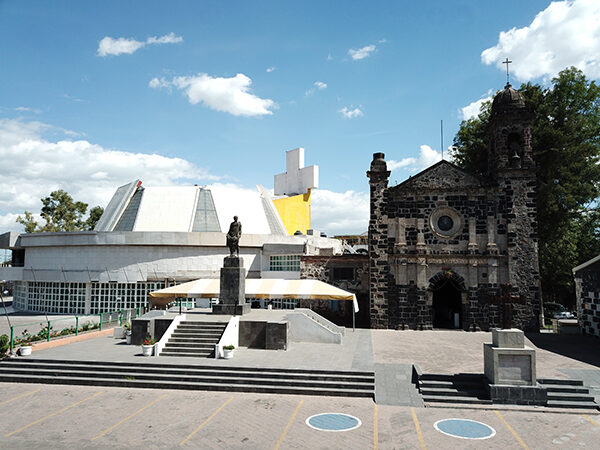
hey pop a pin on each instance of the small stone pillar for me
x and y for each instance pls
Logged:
(509, 365)
(507, 360)
(232, 297)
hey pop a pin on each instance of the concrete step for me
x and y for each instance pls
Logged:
(266, 381)
(293, 381)
(570, 404)
(188, 355)
(200, 327)
(429, 392)
(569, 396)
(461, 377)
(197, 322)
(189, 386)
(450, 399)
(187, 349)
(559, 381)
(570, 389)
(193, 339)
(451, 384)
(201, 331)
(209, 345)
(185, 367)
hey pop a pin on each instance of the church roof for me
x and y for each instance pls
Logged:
(442, 175)
(508, 100)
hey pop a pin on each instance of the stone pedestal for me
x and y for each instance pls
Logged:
(232, 297)
(507, 360)
(509, 365)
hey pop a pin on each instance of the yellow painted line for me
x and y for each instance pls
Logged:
(108, 430)
(418, 427)
(375, 429)
(588, 418)
(19, 397)
(206, 421)
(287, 427)
(53, 414)
(512, 431)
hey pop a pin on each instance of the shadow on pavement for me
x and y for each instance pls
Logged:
(576, 346)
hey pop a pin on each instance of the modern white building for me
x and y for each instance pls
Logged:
(149, 238)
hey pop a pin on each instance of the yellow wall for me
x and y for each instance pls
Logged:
(294, 212)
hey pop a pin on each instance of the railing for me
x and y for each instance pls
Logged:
(73, 325)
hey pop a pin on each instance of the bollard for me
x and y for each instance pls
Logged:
(121, 318)
(12, 337)
(77, 326)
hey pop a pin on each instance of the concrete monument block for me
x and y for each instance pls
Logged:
(232, 296)
(507, 361)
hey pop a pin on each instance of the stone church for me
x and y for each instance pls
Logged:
(449, 249)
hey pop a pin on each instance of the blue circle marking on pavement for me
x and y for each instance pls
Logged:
(333, 422)
(464, 429)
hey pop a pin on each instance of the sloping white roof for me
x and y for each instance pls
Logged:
(190, 208)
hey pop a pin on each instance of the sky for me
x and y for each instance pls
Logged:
(96, 94)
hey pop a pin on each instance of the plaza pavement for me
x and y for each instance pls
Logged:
(77, 416)
(73, 417)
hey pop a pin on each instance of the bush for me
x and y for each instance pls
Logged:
(4, 344)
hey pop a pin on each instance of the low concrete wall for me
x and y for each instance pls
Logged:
(305, 329)
(231, 336)
(265, 335)
(172, 326)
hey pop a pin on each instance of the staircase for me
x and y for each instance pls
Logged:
(460, 388)
(194, 339)
(567, 394)
(190, 377)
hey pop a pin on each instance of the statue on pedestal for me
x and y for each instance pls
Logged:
(233, 237)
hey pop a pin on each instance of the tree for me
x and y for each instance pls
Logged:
(566, 149)
(61, 213)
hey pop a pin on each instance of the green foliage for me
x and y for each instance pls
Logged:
(61, 213)
(4, 344)
(229, 347)
(566, 148)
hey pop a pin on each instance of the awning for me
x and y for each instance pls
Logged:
(257, 288)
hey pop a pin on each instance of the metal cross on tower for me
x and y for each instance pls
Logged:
(507, 62)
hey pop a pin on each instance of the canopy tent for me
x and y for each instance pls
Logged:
(256, 288)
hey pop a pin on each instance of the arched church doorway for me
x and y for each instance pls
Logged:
(447, 305)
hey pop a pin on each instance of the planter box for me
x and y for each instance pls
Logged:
(119, 332)
(228, 354)
(148, 350)
(24, 351)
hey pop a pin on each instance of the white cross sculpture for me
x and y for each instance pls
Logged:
(296, 179)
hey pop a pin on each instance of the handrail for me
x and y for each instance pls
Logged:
(46, 332)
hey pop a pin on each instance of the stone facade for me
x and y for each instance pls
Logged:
(453, 250)
(587, 291)
(348, 272)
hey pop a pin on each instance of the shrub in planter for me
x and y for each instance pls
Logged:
(228, 351)
(148, 346)
(25, 349)
(4, 344)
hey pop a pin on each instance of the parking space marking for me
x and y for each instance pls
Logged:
(206, 421)
(418, 428)
(53, 414)
(517, 437)
(108, 430)
(588, 418)
(289, 424)
(27, 394)
(375, 429)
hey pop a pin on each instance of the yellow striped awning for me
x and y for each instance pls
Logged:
(259, 288)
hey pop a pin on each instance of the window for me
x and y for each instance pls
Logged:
(285, 263)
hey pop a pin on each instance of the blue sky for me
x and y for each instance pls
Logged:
(95, 94)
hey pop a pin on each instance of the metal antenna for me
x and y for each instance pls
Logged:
(507, 62)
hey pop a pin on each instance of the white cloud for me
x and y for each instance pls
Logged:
(27, 109)
(166, 39)
(427, 157)
(110, 46)
(351, 113)
(329, 57)
(270, 69)
(565, 34)
(231, 95)
(473, 108)
(317, 85)
(339, 212)
(88, 172)
(361, 53)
